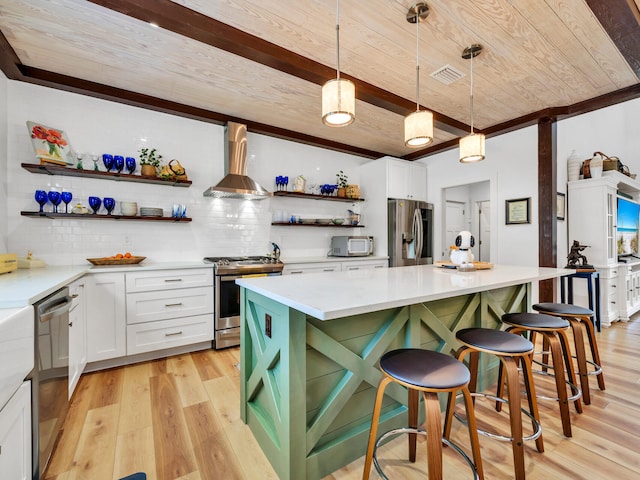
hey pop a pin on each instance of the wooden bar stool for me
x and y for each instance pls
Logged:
(431, 373)
(578, 317)
(511, 350)
(553, 331)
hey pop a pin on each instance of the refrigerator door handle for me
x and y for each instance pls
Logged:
(417, 228)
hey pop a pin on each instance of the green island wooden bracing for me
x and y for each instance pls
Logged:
(308, 386)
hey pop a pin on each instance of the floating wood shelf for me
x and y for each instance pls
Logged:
(51, 169)
(94, 216)
(288, 224)
(317, 197)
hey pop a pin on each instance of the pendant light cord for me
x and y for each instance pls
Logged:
(471, 92)
(417, 62)
(338, 38)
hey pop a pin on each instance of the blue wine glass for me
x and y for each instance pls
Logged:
(118, 162)
(42, 198)
(130, 162)
(66, 198)
(54, 197)
(285, 182)
(278, 182)
(107, 159)
(109, 203)
(94, 203)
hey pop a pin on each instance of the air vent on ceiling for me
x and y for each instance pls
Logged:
(447, 74)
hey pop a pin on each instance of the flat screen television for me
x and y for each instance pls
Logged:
(628, 223)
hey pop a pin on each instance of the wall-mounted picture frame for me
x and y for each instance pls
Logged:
(561, 205)
(517, 211)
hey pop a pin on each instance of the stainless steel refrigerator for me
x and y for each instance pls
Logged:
(410, 232)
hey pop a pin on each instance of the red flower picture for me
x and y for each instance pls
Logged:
(50, 144)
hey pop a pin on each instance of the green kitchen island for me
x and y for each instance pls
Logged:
(310, 346)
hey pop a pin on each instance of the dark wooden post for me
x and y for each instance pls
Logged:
(547, 188)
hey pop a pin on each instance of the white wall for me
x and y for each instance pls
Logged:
(3, 162)
(511, 169)
(220, 227)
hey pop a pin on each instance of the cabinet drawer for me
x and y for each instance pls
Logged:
(152, 306)
(364, 265)
(147, 337)
(292, 269)
(168, 279)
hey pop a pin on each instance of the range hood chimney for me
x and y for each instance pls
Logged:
(236, 183)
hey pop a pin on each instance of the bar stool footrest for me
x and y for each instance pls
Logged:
(398, 431)
(576, 393)
(537, 431)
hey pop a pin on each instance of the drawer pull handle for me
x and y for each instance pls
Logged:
(168, 280)
(613, 286)
(172, 304)
(298, 271)
(172, 334)
(331, 269)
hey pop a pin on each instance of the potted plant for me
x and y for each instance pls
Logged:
(342, 180)
(149, 161)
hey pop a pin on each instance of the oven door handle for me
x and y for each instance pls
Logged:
(57, 310)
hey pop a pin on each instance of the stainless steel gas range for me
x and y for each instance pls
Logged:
(227, 293)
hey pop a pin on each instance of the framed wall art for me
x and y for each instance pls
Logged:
(517, 211)
(560, 205)
(50, 144)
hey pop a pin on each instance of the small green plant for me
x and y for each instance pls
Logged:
(342, 179)
(150, 157)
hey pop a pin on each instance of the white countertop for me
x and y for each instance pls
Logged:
(338, 294)
(24, 287)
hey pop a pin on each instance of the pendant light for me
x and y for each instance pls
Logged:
(471, 146)
(339, 94)
(418, 126)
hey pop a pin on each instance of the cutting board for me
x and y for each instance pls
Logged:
(477, 265)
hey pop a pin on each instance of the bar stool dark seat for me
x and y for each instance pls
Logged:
(578, 317)
(511, 349)
(553, 330)
(431, 373)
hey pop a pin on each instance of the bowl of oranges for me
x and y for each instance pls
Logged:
(117, 259)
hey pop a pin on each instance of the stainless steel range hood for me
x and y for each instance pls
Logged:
(236, 183)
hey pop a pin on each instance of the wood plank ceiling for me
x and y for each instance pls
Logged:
(263, 63)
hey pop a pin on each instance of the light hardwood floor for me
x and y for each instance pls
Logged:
(178, 418)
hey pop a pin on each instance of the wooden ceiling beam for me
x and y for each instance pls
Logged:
(621, 21)
(191, 24)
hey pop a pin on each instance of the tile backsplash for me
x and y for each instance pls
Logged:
(220, 227)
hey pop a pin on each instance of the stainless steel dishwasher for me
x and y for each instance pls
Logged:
(50, 376)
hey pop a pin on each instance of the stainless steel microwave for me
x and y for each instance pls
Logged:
(351, 246)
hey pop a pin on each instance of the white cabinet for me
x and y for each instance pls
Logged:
(629, 298)
(168, 308)
(334, 266)
(77, 333)
(406, 180)
(106, 316)
(15, 435)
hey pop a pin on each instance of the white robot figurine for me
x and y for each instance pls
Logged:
(463, 256)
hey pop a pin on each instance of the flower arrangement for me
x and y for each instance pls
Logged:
(342, 179)
(50, 144)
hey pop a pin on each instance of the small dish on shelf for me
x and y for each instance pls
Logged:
(323, 221)
(116, 261)
(337, 221)
(307, 221)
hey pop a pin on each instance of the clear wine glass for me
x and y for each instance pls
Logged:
(42, 198)
(66, 198)
(109, 203)
(94, 203)
(54, 198)
(94, 159)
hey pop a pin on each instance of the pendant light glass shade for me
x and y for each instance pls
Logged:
(418, 129)
(338, 95)
(418, 126)
(472, 148)
(338, 102)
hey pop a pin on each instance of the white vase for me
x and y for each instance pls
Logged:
(573, 166)
(595, 166)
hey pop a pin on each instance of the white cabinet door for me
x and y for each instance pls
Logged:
(406, 180)
(364, 264)
(15, 435)
(77, 333)
(106, 317)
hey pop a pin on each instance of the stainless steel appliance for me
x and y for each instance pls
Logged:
(50, 376)
(410, 232)
(227, 294)
(351, 246)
